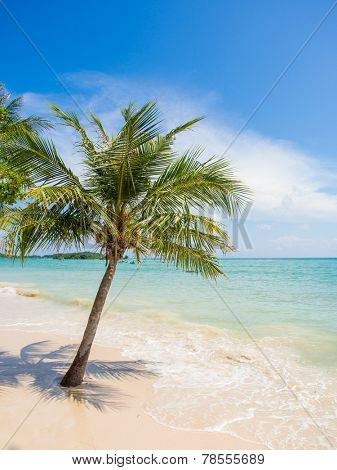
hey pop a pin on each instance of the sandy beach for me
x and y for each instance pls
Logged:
(105, 413)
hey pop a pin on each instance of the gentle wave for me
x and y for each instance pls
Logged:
(212, 381)
(9, 290)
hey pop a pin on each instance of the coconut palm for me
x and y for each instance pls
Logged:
(135, 194)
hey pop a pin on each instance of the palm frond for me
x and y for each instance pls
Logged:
(184, 127)
(71, 119)
(74, 200)
(15, 105)
(38, 157)
(100, 129)
(33, 228)
(11, 121)
(199, 184)
(186, 257)
(187, 229)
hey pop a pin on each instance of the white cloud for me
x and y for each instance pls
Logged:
(291, 241)
(288, 183)
(265, 227)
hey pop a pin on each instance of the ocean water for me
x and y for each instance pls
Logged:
(253, 355)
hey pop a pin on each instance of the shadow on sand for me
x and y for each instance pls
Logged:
(43, 368)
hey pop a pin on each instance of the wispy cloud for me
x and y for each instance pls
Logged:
(265, 227)
(288, 183)
(291, 241)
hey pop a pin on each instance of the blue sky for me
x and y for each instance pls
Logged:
(217, 58)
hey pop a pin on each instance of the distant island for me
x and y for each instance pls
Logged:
(78, 255)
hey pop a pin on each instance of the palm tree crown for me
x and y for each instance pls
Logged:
(135, 194)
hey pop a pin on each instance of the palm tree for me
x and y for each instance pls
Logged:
(12, 124)
(135, 194)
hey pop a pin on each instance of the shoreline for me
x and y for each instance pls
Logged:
(104, 413)
(212, 389)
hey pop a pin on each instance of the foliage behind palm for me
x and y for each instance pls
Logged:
(12, 124)
(11, 121)
(12, 185)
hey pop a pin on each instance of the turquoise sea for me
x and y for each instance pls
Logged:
(209, 340)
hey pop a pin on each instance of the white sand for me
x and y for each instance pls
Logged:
(105, 413)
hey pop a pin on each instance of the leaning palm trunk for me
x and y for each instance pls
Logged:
(75, 374)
